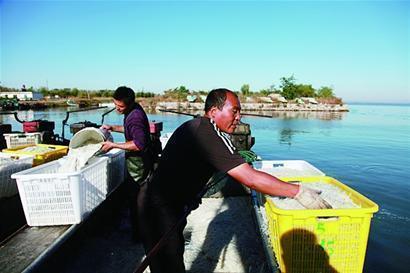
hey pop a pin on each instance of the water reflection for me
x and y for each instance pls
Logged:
(322, 115)
(286, 134)
(300, 114)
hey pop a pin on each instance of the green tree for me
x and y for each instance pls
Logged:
(179, 93)
(74, 92)
(44, 91)
(105, 93)
(265, 92)
(143, 94)
(82, 94)
(325, 92)
(182, 90)
(305, 90)
(288, 87)
(245, 89)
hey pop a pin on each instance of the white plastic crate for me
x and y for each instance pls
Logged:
(21, 139)
(8, 186)
(116, 168)
(287, 168)
(52, 198)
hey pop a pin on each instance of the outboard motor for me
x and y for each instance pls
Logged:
(75, 127)
(242, 138)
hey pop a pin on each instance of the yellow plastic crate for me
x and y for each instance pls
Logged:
(57, 152)
(329, 240)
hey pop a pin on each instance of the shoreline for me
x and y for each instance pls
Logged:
(254, 107)
(157, 105)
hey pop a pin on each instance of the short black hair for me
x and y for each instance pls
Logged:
(216, 98)
(125, 94)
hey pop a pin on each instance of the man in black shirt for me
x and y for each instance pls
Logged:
(195, 151)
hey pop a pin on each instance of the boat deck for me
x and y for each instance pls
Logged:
(221, 236)
(30, 244)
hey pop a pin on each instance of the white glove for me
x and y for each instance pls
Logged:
(310, 199)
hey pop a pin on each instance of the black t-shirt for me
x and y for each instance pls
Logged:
(194, 152)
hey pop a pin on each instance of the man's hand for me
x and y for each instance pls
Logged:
(107, 145)
(310, 199)
(106, 127)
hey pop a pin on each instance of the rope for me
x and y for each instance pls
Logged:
(249, 156)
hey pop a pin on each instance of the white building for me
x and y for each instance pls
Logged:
(22, 95)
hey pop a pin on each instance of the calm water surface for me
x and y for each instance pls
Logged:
(367, 148)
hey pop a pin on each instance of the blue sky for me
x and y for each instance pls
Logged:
(360, 48)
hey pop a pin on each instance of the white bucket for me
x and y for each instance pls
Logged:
(89, 135)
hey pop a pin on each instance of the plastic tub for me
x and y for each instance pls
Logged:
(89, 135)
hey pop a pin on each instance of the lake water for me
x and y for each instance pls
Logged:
(367, 148)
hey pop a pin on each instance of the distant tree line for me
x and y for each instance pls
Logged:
(289, 89)
(75, 92)
(181, 93)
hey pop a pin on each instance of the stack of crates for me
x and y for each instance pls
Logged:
(316, 240)
(10, 164)
(45, 153)
(50, 197)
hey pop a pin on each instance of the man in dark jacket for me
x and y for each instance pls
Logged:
(195, 151)
(137, 145)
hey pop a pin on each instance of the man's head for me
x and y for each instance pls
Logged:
(223, 107)
(124, 99)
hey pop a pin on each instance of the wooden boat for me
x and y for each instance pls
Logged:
(221, 236)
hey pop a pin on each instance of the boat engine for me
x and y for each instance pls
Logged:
(75, 127)
(242, 138)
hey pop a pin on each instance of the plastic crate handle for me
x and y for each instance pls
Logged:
(327, 218)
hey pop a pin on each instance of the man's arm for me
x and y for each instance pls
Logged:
(113, 128)
(108, 145)
(268, 184)
(128, 146)
(262, 182)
